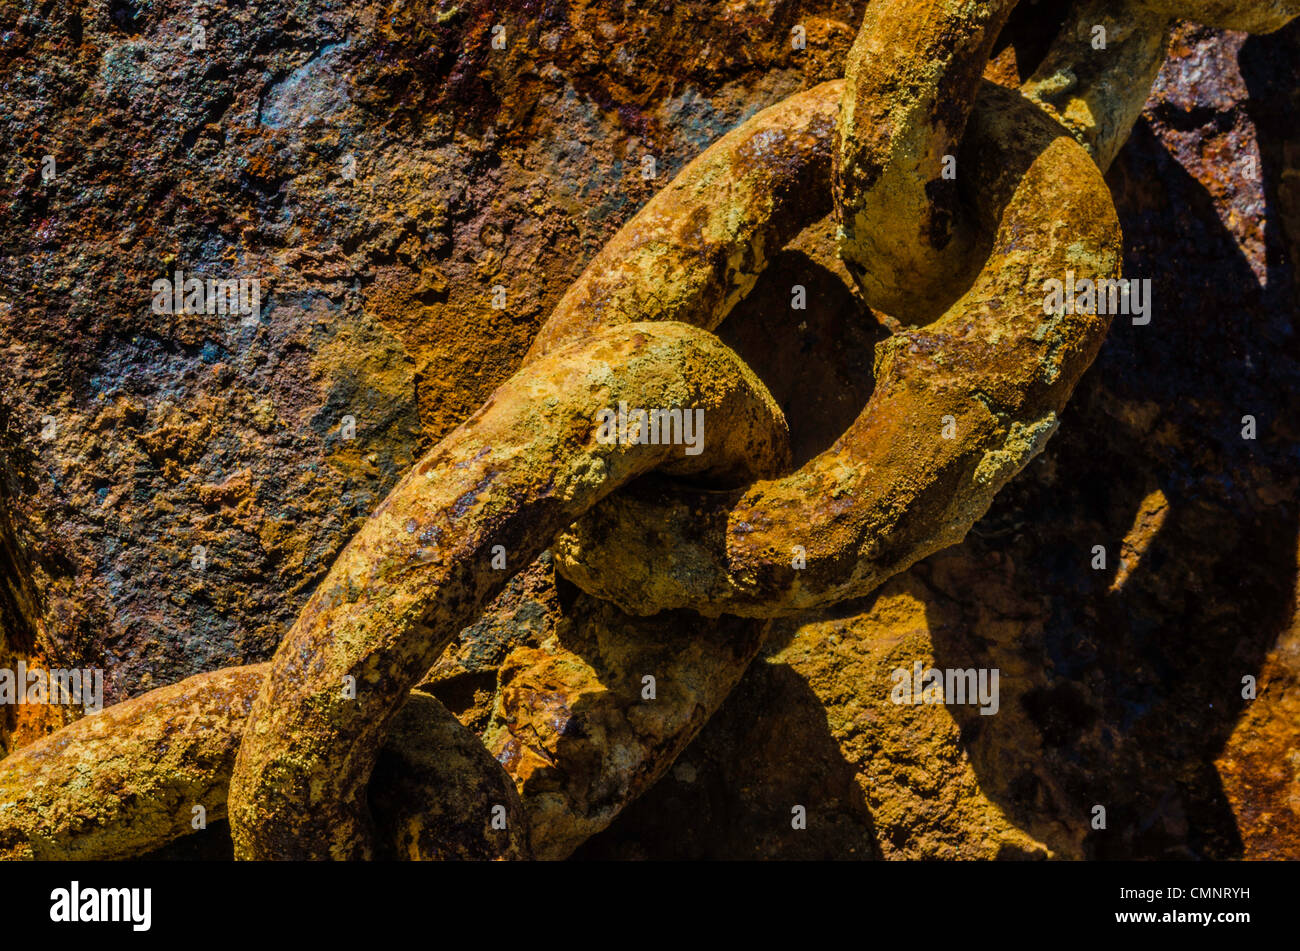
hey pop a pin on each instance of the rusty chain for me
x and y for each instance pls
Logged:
(315, 771)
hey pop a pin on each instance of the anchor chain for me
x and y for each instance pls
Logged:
(966, 394)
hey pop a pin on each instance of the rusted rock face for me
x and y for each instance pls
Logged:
(1259, 765)
(812, 727)
(381, 168)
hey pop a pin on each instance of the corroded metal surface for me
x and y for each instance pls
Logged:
(1120, 686)
(127, 780)
(158, 767)
(542, 689)
(513, 474)
(697, 248)
(306, 758)
(910, 79)
(896, 486)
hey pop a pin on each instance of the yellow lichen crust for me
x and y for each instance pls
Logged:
(1096, 77)
(958, 203)
(1097, 94)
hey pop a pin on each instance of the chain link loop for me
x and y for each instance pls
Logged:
(965, 396)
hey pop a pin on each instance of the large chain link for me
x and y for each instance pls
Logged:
(964, 397)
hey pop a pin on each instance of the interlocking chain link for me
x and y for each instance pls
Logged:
(419, 570)
(964, 397)
(889, 493)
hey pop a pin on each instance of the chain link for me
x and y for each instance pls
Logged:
(964, 397)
